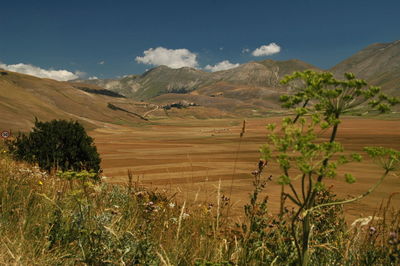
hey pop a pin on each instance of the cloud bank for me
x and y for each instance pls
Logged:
(173, 58)
(60, 75)
(223, 65)
(269, 49)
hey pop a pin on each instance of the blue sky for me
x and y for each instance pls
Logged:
(107, 39)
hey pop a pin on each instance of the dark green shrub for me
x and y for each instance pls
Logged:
(57, 144)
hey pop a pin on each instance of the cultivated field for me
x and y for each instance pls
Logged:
(191, 156)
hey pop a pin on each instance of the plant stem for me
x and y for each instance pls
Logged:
(369, 191)
(306, 234)
(296, 241)
(298, 115)
(282, 200)
(302, 187)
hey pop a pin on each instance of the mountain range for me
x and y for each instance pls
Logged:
(162, 79)
(251, 89)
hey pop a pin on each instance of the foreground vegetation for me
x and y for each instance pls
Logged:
(72, 217)
(67, 219)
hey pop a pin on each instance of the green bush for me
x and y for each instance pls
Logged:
(57, 144)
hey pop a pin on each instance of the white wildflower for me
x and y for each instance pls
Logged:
(364, 221)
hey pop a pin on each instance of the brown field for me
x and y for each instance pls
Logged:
(191, 156)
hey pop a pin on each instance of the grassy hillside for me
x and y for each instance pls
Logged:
(24, 97)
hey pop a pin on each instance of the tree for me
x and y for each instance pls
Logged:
(59, 144)
(319, 101)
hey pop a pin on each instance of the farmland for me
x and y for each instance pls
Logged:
(191, 156)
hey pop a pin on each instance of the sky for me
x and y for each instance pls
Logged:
(66, 40)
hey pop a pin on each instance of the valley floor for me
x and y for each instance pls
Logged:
(191, 156)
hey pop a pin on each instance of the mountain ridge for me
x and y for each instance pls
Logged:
(162, 79)
(378, 63)
(249, 90)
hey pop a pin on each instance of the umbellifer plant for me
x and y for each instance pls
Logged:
(319, 101)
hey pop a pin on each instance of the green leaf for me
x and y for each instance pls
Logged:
(342, 159)
(265, 152)
(349, 178)
(349, 75)
(324, 125)
(271, 127)
(356, 157)
(319, 186)
(284, 180)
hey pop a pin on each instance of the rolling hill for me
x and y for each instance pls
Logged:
(24, 97)
(251, 89)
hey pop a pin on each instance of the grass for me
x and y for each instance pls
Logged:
(49, 220)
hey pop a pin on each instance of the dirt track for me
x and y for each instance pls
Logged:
(190, 156)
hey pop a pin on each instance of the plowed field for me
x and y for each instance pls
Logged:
(191, 156)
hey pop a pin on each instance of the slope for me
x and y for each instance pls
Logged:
(378, 63)
(164, 80)
(24, 97)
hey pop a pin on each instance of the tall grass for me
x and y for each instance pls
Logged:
(50, 220)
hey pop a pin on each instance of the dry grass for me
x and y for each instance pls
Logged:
(47, 220)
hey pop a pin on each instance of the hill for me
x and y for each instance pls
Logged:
(24, 97)
(251, 89)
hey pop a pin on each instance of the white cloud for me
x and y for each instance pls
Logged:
(223, 65)
(93, 77)
(81, 74)
(245, 50)
(102, 62)
(269, 49)
(172, 58)
(60, 75)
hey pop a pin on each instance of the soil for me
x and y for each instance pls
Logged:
(191, 156)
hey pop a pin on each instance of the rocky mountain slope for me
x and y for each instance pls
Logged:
(162, 79)
(378, 63)
(251, 89)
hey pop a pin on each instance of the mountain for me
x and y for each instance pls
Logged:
(378, 63)
(24, 97)
(162, 80)
(155, 82)
(251, 89)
